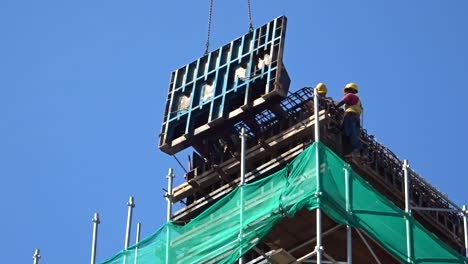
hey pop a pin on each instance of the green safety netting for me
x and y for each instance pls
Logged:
(231, 227)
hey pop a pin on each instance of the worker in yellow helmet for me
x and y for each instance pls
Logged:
(352, 117)
(322, 93)
(323, 99)
(321, 89)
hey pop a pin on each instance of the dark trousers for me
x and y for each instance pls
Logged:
(352, 129)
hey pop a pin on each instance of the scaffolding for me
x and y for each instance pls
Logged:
(245, 220)
(219, 234)
(280, 137)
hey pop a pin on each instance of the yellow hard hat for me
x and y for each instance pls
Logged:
(321, 88)
(351, 86)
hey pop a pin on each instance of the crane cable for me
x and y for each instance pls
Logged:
(210, 14)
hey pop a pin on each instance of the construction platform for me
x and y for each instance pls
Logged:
(279, 132)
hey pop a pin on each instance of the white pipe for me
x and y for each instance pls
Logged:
(242, 168)
(170, 177)
(319, 247)
(405, 170)
(36, 256)
(349, 246)
(130, 205)
(96, 222)
(465, 224)
(138, 233)
(316, 115)
(241, 185)
(301, 259)
(137, 240)
(409, 237)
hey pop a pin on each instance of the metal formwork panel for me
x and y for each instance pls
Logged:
(224, 85)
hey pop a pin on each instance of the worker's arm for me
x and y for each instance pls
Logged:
(339, 104)
(349, 98)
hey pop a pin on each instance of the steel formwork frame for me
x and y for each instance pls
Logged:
(243, 74)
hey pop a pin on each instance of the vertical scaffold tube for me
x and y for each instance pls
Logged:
(349, 246)
(170, 177)
(316, 116)
(465, 224)
(36, 256)
(96, 222)
(319, 247)
(409, 237)
(242, 168)
(137, 240)
(130, 205)
(242, 183)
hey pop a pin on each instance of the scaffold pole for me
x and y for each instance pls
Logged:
(242, 168)
(137, 239)
(36, 256)
(319, 247)
(349, 246)
(96, 222)
(465, 225)
(242, 183)
(170, 177)
(130, 205)
(409, 237)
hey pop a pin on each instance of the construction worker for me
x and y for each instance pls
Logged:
(321, 90)
(352, 115)
(323, 99)
(322, 93)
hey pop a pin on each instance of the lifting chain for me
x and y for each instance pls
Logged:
(210, 14)
(250, 16)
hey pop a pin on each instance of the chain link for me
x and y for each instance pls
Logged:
(250, 16)
(209, 28)
(210, 14)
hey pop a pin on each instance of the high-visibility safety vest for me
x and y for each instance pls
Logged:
(357, 108)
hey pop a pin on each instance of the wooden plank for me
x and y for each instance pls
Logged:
(253, 154)
(202, 203)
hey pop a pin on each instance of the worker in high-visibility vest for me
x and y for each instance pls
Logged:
(352, 117)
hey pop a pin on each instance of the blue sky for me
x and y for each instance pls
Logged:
(83, 86)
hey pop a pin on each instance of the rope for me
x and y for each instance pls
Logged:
(210, 13)
(250, 16)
